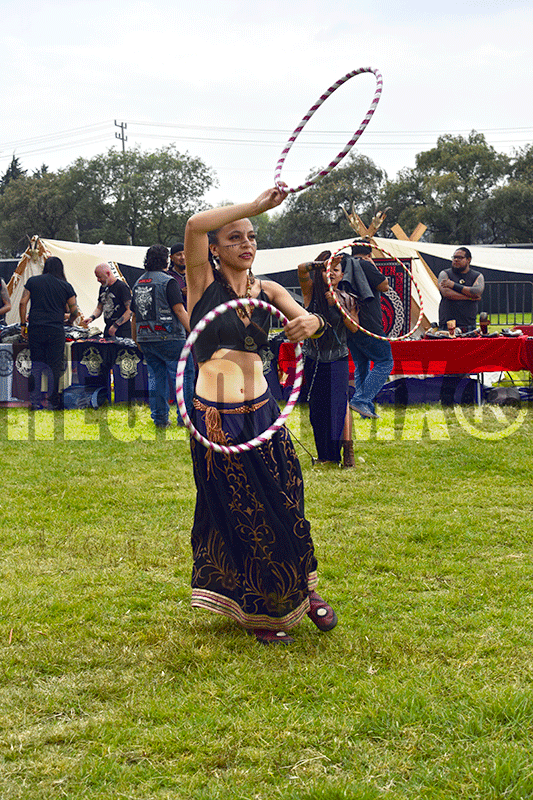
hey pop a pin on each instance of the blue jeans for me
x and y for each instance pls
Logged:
(162, 361)
(368, 382)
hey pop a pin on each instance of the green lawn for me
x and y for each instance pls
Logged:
(112, 687)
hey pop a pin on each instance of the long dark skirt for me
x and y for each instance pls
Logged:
(327, 386)
(253, 556)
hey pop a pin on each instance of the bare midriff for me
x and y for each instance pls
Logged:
(231, 376)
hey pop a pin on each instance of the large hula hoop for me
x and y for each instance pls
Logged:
(348, 146)
(345, 313)
(240, 302)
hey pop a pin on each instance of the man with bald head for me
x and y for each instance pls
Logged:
(114, 301)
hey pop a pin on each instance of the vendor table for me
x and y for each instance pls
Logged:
(462, 356)
(100, 363)
(22, 370)
(93, 363)
(445, 356)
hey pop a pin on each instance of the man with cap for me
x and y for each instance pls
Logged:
(177, 271)
(177, 268)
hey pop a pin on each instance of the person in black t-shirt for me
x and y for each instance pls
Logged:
(326, 360)
(114, 301)
(49, 295)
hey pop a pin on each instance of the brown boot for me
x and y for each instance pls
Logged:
(348, 454)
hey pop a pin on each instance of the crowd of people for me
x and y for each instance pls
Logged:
(253, 554)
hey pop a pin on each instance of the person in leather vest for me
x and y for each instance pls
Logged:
(161, 324)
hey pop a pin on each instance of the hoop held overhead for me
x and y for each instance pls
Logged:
(307, 117)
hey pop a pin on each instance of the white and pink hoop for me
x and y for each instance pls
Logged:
(345, 313)
(240, 302)
(347, 147)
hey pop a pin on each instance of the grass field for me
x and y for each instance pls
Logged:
(112, 687)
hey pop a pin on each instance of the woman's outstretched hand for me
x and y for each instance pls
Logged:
(302, 327)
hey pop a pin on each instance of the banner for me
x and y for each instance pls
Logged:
(396, 303)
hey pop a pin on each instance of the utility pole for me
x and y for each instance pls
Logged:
(121, 136)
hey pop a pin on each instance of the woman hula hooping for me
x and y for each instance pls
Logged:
(253, 556)
(326, 359)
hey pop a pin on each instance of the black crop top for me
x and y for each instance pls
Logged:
(228, 331)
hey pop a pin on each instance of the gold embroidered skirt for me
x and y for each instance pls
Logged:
(253, 556)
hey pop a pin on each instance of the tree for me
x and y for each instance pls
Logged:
(139, 198)
(315, 214)
(448, 188)
(43, 204)
(509, 214)
(522, 165)
(509, 211)
(13, 172)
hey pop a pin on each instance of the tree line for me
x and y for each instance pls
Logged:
(462, 189)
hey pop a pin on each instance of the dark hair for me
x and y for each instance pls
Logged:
(361, 247)
(212, 238)
(320, 288)
(465, 250)
(54, 266)
(156, 258)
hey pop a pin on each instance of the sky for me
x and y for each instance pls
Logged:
(229, 81)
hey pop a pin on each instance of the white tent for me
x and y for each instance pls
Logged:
(80, 260)
(487, 258)
(284, 259)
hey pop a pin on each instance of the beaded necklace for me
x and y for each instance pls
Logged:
(243, 313)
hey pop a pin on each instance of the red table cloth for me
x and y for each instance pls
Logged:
(462, 356)
(444, 356)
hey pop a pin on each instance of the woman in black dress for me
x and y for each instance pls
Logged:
(253, 556)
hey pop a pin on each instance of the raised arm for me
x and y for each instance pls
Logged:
(305, 269)
(304, 279)
(199, 274)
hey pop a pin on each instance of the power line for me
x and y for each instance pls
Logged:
(336, 133)
(262, 143)
(72, 133)
(95, 133)
(54, 136)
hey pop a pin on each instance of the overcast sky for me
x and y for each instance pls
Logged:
(228, 80)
